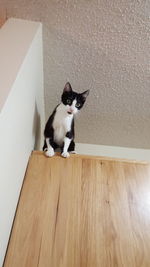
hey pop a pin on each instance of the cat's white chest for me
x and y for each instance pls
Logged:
(61, 125)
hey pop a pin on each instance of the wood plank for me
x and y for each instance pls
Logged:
(82, 211)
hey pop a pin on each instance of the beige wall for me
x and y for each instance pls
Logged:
(102, 46)
(3, 16)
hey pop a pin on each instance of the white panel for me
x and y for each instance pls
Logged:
(114, 152)
(19, 117)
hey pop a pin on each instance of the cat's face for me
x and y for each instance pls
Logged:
(73, 101)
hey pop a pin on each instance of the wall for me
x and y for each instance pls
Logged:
(22, 114)
(142, 155)
(3, 16)
(102, 46)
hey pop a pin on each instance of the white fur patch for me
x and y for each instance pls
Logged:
(61, 124)
(73, 107)
(66, 144)
(50, 151)
(65, 154)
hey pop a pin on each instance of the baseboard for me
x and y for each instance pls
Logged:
(114, 152)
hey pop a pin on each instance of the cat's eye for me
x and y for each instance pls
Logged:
(77, 105)
(68, 101)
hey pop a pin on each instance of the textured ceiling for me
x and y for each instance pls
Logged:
(102, 46)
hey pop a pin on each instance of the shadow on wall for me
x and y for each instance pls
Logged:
(3, 15)
(36, 130)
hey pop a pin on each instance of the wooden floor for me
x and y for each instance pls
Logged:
(82, 212)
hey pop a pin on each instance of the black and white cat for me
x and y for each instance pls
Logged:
(59, 129)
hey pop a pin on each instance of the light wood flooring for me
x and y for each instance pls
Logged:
(82, 212)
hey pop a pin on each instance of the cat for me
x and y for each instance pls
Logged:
(59, 129)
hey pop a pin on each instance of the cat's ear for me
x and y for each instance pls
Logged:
(85, 94)
(67, 88)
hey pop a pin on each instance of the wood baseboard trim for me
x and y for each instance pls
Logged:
(107, 158)
(131, 154)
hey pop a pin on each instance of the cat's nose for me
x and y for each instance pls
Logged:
(71, 110)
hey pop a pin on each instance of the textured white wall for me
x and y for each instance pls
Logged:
(20, 114)
(103, 46)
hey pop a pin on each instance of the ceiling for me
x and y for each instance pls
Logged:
(102, 46)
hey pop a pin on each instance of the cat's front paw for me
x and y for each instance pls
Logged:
(50, 153)
(65, 154)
